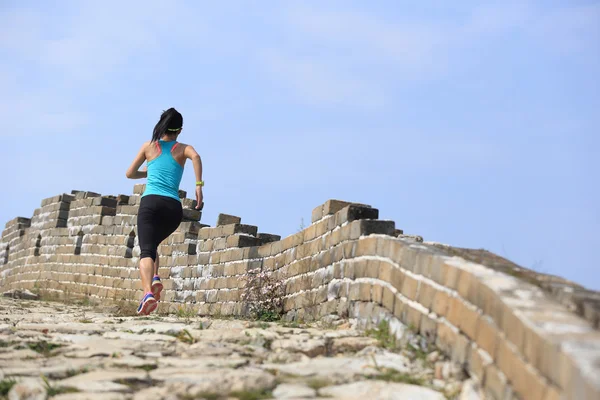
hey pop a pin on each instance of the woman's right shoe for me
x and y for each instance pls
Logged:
(147, 305)
(157, 287)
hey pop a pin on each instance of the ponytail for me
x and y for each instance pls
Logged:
(170, 122)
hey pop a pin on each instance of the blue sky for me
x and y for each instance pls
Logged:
(474, 123)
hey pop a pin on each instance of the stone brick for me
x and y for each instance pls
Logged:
(525, 380)
(332, 206)
(450, 274)
(495, 383)
(397, 279)
(428, 327)
(317, 213)
(478, 362)
(388, 299)
(446, 336)
(377, 294)
(410, 287)
(242, 241)
(426, 294)
(367, 227)
(440, 303)
(512, 326)
(239, 228)
(226, 219)
(385, 272)
(365, 291)
(487, 335)
(366, 246)
(267, 237)
(355, 212)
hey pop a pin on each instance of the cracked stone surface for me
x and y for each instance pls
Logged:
(62, 351)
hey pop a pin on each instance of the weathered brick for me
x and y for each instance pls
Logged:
(487, 335)
(426, 294)
(525, 380)
(355, 212)
(226, 219)
(440, 302)
(495, 383)
(388, 299)
(410, 287)
(478, 361)
(366, 246)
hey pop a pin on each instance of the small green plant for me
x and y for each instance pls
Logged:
(5, 386)
(184, 336)
(418, 352)
(43, 347)
(203, 396)
(73, 372)
(56, 390)
(185, 312)
(4, 343)
(391, 375)
(383, 334)
(252, 395)
(147, 367)
(263, 296)
(85, 321)
(317, 383)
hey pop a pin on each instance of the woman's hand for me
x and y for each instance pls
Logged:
(199, 198)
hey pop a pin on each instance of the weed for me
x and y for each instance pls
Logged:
(263, 296)
(203, 396)
(56, 390)
(261, 325)
(317, 383)
(419, 353)
(252, 395)
(5, 386)
(85, 321)
(383, 335)
(184, 336)
(43, 347)
(73, 372)
(147, 367)
(146, 331)
(391, 375)
(4, 343)
(185, 312)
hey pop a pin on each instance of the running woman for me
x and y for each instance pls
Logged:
(160, 209)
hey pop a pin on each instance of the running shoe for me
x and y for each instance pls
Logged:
(147, 305)
(157, 287)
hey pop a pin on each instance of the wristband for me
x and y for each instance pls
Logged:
(200, 183)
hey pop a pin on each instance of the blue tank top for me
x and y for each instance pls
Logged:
(164, 173)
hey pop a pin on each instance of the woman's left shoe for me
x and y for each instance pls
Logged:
(157, 287)
(147, 305)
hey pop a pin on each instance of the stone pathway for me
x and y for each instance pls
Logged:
(53, 350)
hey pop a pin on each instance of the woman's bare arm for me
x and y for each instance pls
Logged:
(193, 155)
(133, 172)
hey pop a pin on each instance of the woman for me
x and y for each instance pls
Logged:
(160, 209)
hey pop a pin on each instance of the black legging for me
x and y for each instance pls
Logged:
(158, 217)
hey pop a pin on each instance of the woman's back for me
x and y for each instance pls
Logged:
(164, 171)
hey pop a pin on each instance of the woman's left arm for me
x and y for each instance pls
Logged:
(133, 172)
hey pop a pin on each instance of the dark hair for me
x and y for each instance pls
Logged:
(170, 122)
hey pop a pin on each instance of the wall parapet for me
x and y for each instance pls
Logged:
(514, 334)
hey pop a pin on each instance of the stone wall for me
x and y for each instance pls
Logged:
(518, 340)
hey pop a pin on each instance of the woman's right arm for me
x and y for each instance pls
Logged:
(193, 155)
